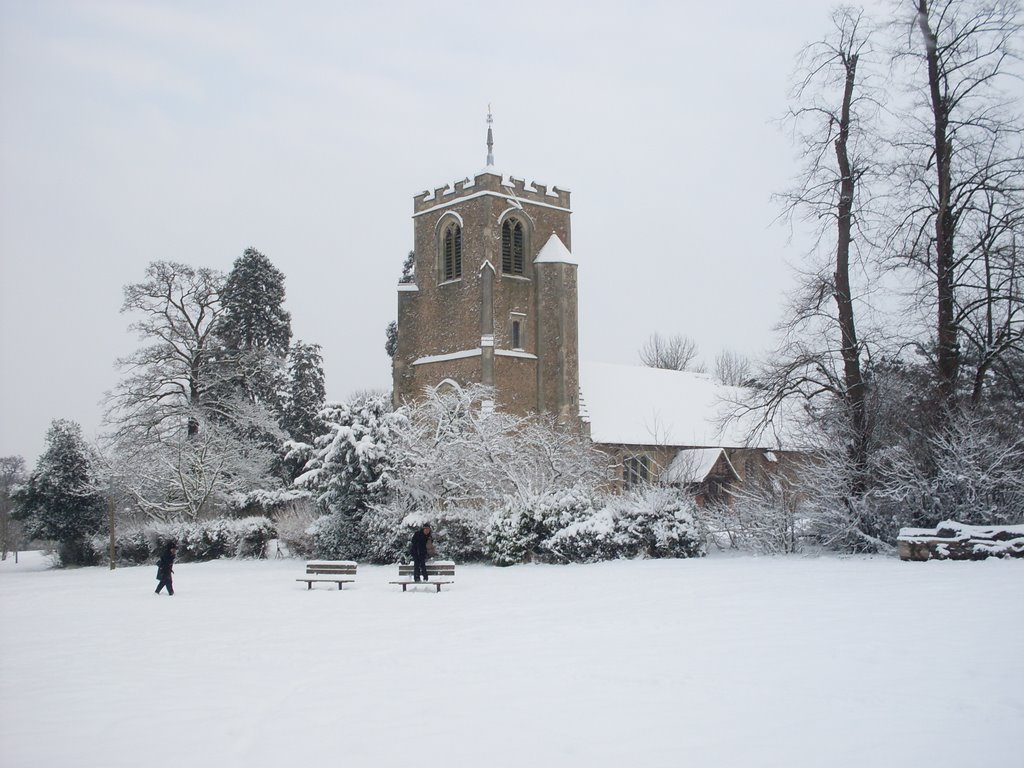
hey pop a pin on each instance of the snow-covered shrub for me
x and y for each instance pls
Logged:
(208, 540)
(268, 503)
(508, 539)
(458, 534)
(252, 535)
(78, 552)
(388, 532)
(654, 522)
(337, 536)
(762, 518)
(293, 528)
(659, 522)
(519, 531)
(133, 545)
(589, 540)
(461, 534)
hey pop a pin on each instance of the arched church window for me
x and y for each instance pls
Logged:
(451, 256)
(513, 257)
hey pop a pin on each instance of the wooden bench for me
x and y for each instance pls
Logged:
(337, 571)
(438, 573)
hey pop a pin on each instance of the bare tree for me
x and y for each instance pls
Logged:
(832, 117)
(185, 436)
(168, 381)
(676, 352)
(459, 453)
(733, 369)
(188, 477)
(961, 164)
(12, 473)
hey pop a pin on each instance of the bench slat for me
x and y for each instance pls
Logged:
(332, 567)
(441, 569)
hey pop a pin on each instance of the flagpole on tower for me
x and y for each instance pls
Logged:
(490, 138)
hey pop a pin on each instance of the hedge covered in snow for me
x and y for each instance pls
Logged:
(571, 526)
(202, 540)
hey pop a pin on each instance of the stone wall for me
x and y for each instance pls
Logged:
(438, 317)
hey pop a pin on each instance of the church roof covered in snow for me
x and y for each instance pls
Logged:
(555, 252)
(637, 405)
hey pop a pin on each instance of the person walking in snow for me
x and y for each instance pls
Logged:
(165, 568)
(422, 544)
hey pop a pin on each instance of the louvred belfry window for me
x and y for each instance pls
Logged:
(452, 252)
(513, 257)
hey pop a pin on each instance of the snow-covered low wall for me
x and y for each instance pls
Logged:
(951, 540)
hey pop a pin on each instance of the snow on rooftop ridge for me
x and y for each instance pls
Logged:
(691, 465)
(450, 356)
(555, 252)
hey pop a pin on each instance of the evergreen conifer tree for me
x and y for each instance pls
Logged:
(408, 276)
(391, 342)
(61, 500)
(255, 329)
(409, 269)
(306, 393)
(353, 467)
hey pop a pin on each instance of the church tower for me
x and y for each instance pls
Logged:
(495, 294)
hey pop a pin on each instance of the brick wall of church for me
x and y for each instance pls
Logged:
(441, 317)
(518, 390)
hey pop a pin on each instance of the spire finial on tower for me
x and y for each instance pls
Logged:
(490, 138)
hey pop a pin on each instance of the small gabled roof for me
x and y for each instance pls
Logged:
(554, 252)
(693, 465)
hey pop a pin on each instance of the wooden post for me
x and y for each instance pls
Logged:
(112, 513)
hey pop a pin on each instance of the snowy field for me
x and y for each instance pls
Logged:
(725, 661)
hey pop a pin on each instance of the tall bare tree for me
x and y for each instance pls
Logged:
(961, 166)
(166, 382)
(831, 117)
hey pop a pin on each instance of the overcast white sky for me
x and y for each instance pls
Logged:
(135, 131)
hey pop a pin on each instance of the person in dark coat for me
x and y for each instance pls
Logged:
(421, 543)
(165, 568)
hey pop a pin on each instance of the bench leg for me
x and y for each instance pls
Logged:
(404, 586)
(309, 585)
(438, 588)
(339, 585)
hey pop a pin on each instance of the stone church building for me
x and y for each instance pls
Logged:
(495, 302)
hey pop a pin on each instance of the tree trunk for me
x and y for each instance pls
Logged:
(853, 377)
(948, 352)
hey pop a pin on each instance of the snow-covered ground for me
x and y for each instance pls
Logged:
(725, 661)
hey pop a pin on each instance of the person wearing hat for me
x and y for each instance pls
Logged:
(421, 545)
(165, 568)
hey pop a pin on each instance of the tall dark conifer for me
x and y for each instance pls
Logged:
(255, 329)
(61, 500)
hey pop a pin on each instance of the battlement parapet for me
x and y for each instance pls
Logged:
(493, 182)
